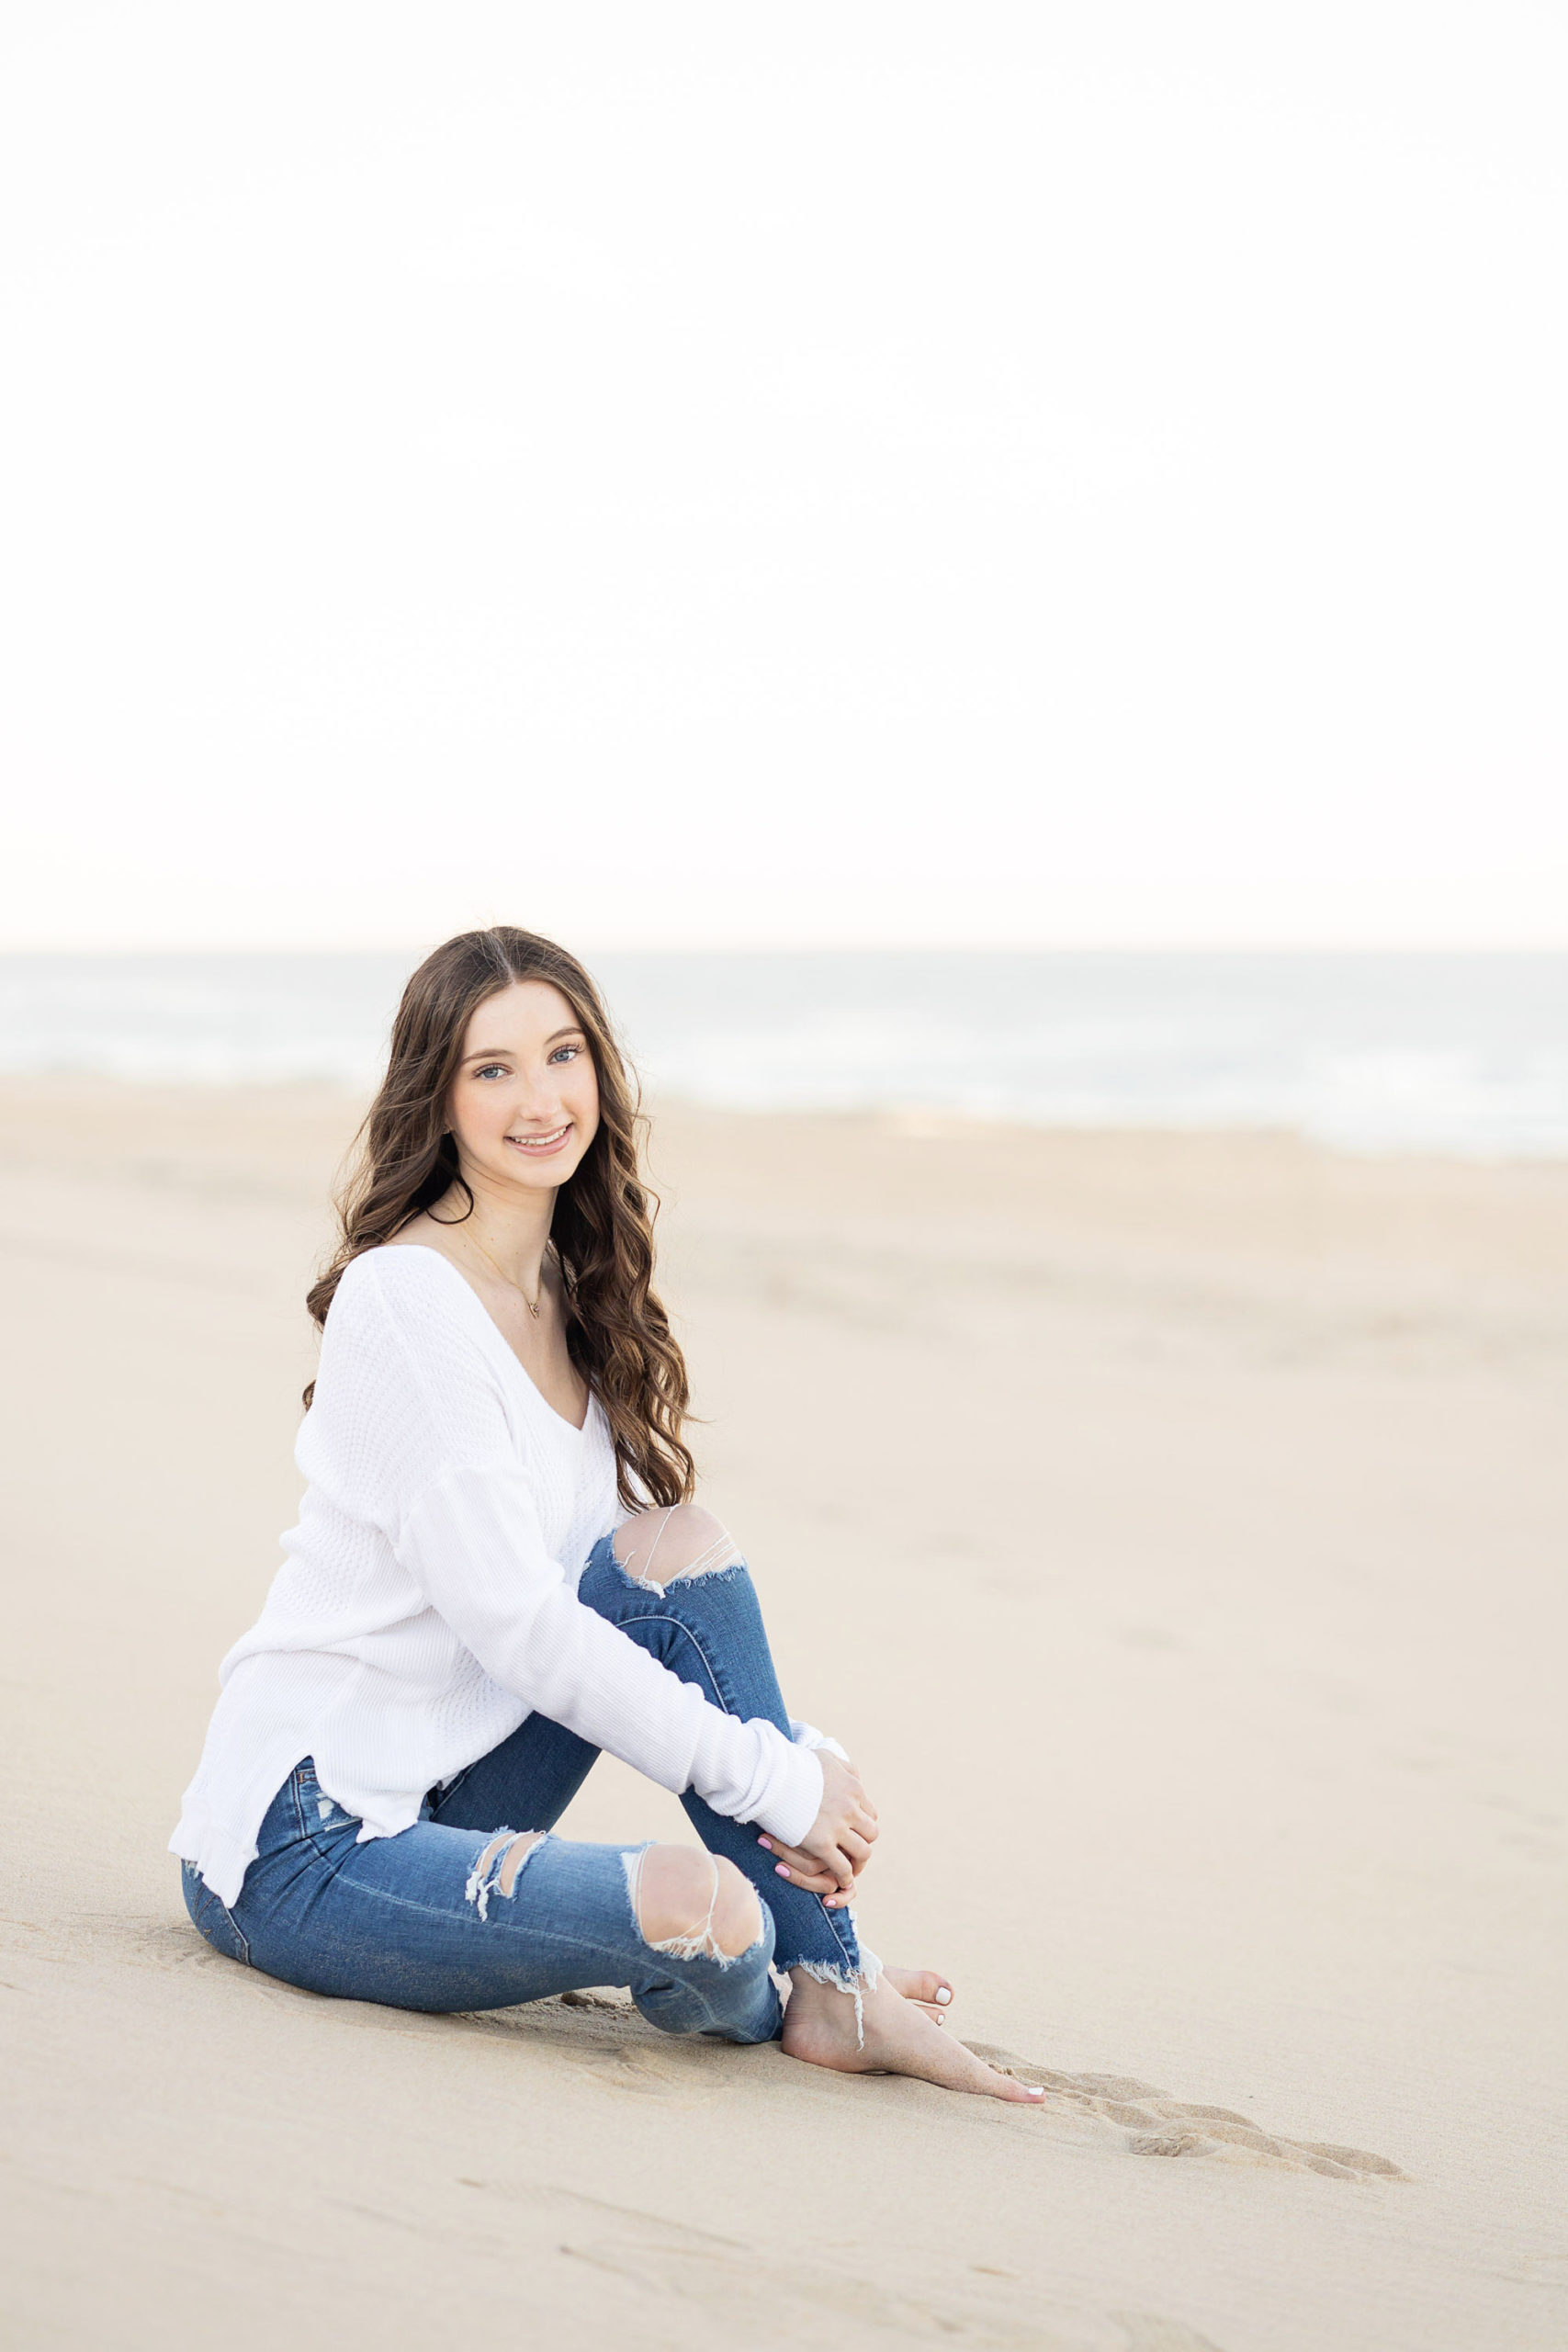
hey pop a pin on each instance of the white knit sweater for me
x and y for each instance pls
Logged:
(428, 1602)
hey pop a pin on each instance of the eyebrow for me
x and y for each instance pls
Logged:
(505, 1054)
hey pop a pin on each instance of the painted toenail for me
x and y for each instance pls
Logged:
(944, 1993)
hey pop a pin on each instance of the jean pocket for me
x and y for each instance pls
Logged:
(213, 1919)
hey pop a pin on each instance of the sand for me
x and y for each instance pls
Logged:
(1172, 1527)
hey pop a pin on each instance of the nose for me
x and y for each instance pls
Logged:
(538, 1101)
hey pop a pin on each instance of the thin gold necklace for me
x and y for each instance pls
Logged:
(532, 1304)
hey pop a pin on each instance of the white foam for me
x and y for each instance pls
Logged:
(1462, 1053)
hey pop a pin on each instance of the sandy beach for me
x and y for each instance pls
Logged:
(1172, 1530)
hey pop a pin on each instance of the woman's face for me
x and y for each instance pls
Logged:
(525, 1105)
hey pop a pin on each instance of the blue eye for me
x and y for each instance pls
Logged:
(570, 1052)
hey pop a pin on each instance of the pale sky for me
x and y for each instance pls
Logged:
(1038, 474)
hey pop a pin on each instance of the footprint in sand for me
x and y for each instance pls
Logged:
(1157, 2125)
(1147, 2332)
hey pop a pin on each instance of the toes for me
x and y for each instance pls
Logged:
(927, 1985)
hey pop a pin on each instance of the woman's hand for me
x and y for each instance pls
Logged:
(801, 1870)
(836, 1846)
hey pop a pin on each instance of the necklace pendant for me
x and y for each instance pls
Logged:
(531, 1307)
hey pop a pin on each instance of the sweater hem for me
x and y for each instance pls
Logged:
(220, 1858)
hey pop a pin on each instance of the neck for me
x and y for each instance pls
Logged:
(513, 1224)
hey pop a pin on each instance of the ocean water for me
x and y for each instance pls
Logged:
(1461, 1054)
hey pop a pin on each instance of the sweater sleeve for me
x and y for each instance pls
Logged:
(462, 1518)
(473, 1545)
(807, 1735)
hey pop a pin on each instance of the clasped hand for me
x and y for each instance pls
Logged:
(838, 1845)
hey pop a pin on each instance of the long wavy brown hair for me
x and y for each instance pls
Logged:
(404, 1160)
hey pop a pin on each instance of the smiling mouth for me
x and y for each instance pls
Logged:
(540, 1144)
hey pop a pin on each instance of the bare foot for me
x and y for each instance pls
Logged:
(928, 1987)
(900, 2039)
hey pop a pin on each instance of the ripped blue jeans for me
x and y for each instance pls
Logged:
(449, 1915)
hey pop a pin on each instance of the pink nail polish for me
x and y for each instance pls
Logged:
(781, 1870)
(767, 1842)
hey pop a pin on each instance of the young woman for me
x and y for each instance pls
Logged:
(499, 1570)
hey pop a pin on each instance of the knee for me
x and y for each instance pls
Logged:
(659, 1547)
(737, 1913)
(690, 1904)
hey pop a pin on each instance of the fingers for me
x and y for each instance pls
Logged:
(799, 1869)
(856, 1822)
(792, 1855)
(841, 1835)
(855, 1798)
(816, 1879)
(832, 1875)
(844, 1892)
(817, 1874)
(807, 1875)
(843, 1793)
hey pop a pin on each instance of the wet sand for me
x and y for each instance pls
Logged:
(1172, 1529)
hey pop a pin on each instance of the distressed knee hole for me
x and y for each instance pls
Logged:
(693, 1905)
(659, 1548)
(499, 1866)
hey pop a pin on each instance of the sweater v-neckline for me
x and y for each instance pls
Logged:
(576, 1428)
